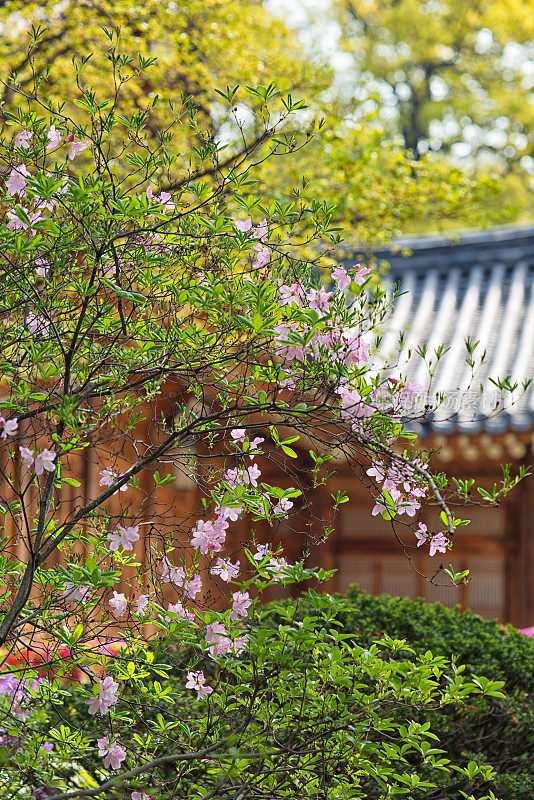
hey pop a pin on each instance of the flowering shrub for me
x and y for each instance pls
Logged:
(140, 326)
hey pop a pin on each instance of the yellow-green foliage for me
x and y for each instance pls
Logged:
(203, 44)
(453, 61)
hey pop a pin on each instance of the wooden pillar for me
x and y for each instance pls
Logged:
(522, 557)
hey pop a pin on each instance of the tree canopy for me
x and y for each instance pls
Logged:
(376, 185)
(455, 72)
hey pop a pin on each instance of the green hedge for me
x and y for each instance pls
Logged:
(500, 732)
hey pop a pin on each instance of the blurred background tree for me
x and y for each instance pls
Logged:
(381, 188)
(451, 77)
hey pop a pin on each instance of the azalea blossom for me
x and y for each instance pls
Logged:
(361, 274)
(253, 446)
(22, 139)
(45, 461)
(376, 471)
(341, 277)
(77, 147)
(241, 602)
(209, 536)
(262, 551)
(180, 611)
(253, 473)
(16, 223)
(9, 427)
(238, 434)
(54, 138)
(37, 325)
(142, 603)
(239, 644)
(262, 256)
(197, 681)
(260, 231)
(243, 226)
(118, 604)
(283, 506)
(164, 199)
(106, 697)
(171, 574)
(421, 534)
(438, 544)
(140, 796)
(16, 183)
(114, 753)
(107, 476)
(217, 637)
(193, 587)
(291, 294)
(123, 537)
(74, 593)
(229, 512)
(225, 569)
(43, 267)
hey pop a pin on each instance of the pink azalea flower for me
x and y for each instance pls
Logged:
(106, 698)
(209, 535)
(77, 147)
(142, 603)
(129, 536)
(341, 277)
(239, 644)
(74, 593)
(376, 471)
(45, 461)
(43, 268)
(9, 427)
(107, 476)
(54, 138)
(229, 512)
(16, 224)
(422, 534)
(37, 326)
(197, 681)
(260, 231)
(262, 256)
(283, 506)
(253, 447)
(361, 274)
(378, 508)
(262, 551)
(291, 294)
(253, 473)
(244, 226)
(238, 434)
(163, 198)
(118, 604)
(217, 637)
(140, 796)
(16, 183)
(170, 574)
(123, 537)
(241, 602)
(22, 139)
(193, 587)
(277, 566)
(318, 299)
(114, 753)
(225, 569)
(438, 544)
(180, 611)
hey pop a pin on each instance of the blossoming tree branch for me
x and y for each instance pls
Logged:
(150, 336)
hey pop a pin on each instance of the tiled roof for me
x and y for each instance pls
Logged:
(479, 286)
